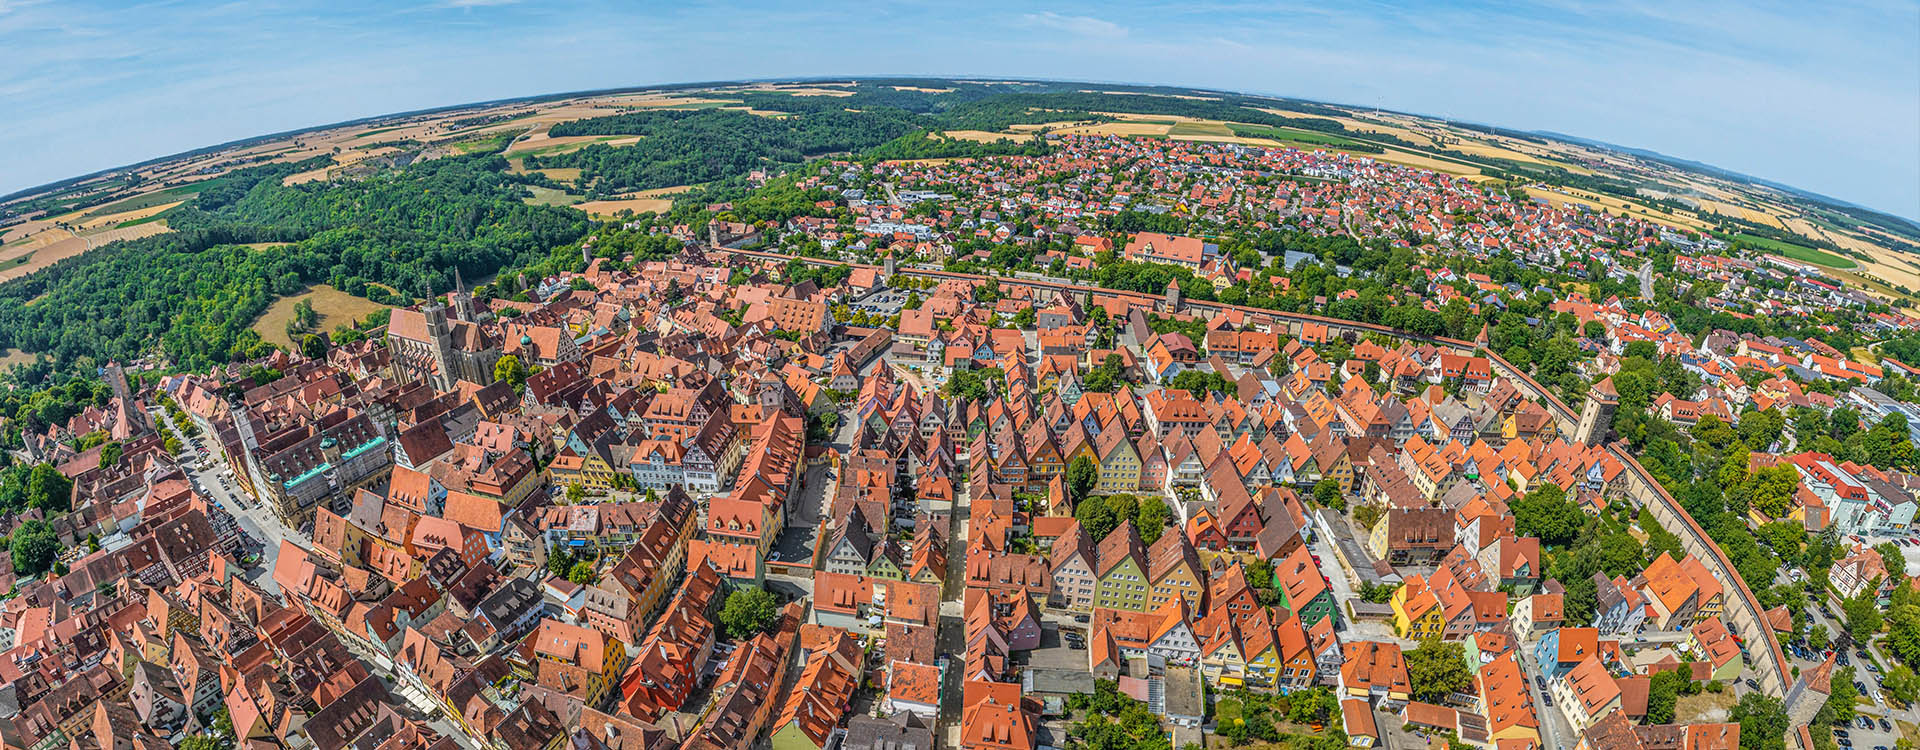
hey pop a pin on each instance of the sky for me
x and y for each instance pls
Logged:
(1823, 96)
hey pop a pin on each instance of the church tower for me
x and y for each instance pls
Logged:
(440, 337)
(461, 300)
(1596, 418)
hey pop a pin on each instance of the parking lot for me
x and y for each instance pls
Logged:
(882, 302)
(1057, 649)
(1865, 733)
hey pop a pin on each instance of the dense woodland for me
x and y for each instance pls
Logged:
(681, 147)
(196, 291)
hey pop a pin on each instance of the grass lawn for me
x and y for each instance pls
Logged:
(1227, 709)
(546, 196)
(1705, 708)
(15, 357)
(1812, 255)
(336, 308)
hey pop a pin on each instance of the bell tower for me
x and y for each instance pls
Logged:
(1596, 417)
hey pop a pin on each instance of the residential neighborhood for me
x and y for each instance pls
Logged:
(832, 481)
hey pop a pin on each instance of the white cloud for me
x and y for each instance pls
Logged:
(1087, 26)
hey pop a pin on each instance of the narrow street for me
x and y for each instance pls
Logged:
(254, 519)
(1553, 723)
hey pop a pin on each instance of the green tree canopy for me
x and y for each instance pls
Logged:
(1436, 669)
(1548, 514)
(748, 612)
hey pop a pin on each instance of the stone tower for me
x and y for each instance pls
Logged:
(1173, 296)
(1597, 416)
(440, 335)
(461, 300)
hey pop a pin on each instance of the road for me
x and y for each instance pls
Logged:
(1646, 280)
(1553, 723)
(259, 524)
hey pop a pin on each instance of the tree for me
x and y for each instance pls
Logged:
(575, 493)
(1151, 519)
(1763, 722)
(1663, 692)
(1024, 317)
(313, 346)
(748, 612)
(1771, 489)
(1839, 706)
(1901, 683)
(1863, 613)
(583, 573)
(1366, 516)
(48, 489)
(559, 562)
(1199, 382)
(1546, 513)
(199, 742)
(1436, 669)
(1097, 516)
(509, 369)
(1327, 493)
(1893, 558)
(35, 546)
(1082, 475)
(110, 453)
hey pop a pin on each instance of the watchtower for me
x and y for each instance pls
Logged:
(1596, 417)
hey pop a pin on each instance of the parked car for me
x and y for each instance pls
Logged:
(1884, 725)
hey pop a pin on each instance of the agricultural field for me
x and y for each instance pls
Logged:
(1291, 136)
(336, 308)
(1812, 255)
(27, 257)
(542, 144)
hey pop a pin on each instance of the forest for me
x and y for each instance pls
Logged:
(685, 147)
(196, 290)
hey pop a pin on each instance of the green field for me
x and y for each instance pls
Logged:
(1201, 128)
(149, 200)
(1297, 136)
(546, 196)
(378, 131)
(137, 222)
(1812, 255)
(490, 145)
(561, 148)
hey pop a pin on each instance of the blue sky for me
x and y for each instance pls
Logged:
(1823, 96)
